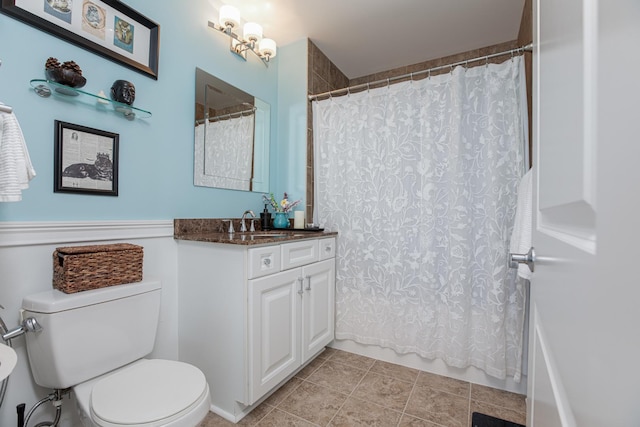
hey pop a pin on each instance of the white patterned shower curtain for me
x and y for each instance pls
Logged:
(224, 151)
(420, 178)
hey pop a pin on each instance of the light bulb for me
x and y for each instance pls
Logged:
(252, 32)
(229, 16)
(268, 48)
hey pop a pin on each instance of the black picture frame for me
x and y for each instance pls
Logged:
(88, 24)
(85, 160)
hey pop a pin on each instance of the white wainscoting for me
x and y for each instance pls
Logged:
(26, 250)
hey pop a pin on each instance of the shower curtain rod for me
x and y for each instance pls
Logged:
(347, 90)
(227, 116)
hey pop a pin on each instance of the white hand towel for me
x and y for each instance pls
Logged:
(523, 224)
(16, 169)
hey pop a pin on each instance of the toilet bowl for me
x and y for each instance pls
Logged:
(96, 342)
(145, 393)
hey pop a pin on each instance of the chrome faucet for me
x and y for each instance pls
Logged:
(243, 226)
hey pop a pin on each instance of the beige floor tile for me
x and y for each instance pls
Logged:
(384, 391)
(337, 376)
(498, 412)
(215, 420)
(396, 371)
(313, 403)
(256, 415)
(327, 353)
(345, 389)
(278, 418)
(357, 412)
(352, 359)
(283, 391)
(513, 401)
(409, 421)
(438, 407)
(450, 385)
(310, 368)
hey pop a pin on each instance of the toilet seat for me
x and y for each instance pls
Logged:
(148, 393)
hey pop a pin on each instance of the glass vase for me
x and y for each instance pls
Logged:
(281, 220)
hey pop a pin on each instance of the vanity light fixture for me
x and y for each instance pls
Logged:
(251, 39)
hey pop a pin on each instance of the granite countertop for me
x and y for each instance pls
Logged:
(214, 230)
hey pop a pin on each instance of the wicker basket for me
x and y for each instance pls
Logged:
(81, 268)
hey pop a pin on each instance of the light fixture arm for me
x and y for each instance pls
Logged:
(239, 46)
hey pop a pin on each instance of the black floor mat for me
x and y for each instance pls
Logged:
(482, 420)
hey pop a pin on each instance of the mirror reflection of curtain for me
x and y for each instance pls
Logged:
(228, 151)
(420, 180)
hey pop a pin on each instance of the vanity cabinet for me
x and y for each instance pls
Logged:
(250, 317)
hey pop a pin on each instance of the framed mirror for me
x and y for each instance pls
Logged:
(231, 142)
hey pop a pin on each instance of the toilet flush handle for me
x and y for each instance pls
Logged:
(29, 324)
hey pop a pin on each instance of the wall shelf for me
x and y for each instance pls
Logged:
(45, 88)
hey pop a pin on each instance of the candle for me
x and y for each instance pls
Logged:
(298, 219)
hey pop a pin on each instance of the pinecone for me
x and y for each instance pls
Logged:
(51, 63)
(71, 65)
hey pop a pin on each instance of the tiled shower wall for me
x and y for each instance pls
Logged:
(323, 76)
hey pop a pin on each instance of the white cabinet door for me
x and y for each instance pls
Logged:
(274, 336)
(318, 307)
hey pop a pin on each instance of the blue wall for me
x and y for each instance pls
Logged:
(291, 161)
(156, 154)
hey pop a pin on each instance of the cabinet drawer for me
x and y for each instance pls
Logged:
(327, 248)
(263, 261)
(299, 253)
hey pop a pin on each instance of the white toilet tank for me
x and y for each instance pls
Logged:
(89, 333)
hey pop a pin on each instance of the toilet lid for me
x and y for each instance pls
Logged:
(147, 392)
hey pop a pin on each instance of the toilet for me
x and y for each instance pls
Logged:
(95, 343)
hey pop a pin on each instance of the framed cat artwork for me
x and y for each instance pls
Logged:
(85, 160)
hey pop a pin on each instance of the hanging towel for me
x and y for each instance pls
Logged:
(523, 224)
(15, 165)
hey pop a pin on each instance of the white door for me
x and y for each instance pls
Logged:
(318, 305)
(274, 331)
(585, 292)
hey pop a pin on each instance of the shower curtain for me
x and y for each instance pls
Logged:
(420, 178)
(226, 152)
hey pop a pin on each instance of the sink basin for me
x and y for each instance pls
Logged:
(8, 359)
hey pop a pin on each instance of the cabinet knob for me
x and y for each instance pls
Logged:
(267, 262)
(327, 249)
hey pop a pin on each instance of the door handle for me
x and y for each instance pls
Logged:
(301, 281)
(529, 258)
(308, 288)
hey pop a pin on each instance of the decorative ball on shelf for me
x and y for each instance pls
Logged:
(123, 91)
(68, 73)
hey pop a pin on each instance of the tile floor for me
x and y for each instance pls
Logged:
(345, 389)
